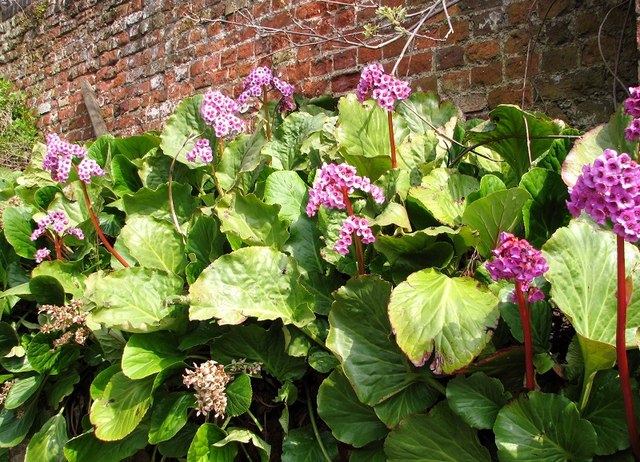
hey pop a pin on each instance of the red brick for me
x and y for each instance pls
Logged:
(310, 10)
(454, 81)
(515, 67)
(369, 55)
(486, 75)
(345, 59)
(517, 41)
(509, 94)
(416, 64)
(482, 51)
(519, 12)
(345, 83)
(449, 57)
(345, 18)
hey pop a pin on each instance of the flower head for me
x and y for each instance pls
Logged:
(359, 226)
(88, 168)
(384, 88)
(201, 149)
(219, 111)
(516, 260)
(58, 223)
(68, 320)
(209, 381)
(58, 160)
(608, 190)
(42, 255)
(632, 103)
(262, 77)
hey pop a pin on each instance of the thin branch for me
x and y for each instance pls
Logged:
(604, 60)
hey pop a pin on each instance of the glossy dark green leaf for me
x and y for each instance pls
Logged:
(169, 415)
(205, 240)
(286, 189)
(477, 399)
(202, 450)
(47, 290)
(241, 158)
(8, 338)
(49, 360)
(300, 445)
(62, 387)
(87, 447)
(125, 175)
(46, 445)
(23, 389)
(416, 398)
(148, 354)
(284, 149)
(17, 230)
(239, 395)
(15, 424)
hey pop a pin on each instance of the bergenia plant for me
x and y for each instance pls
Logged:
(517, 261)
(632, 107)
(258, 84)
(55, 227)
(331, 189)
(386, 90)
(608, 191)
(59, 159)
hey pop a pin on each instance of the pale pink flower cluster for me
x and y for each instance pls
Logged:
(4, 391)
(632, 107)
(219, 111)
(201, 149)
(359, 226)
(58, 160)
(57, 224)
(384, 88)
(262, 77)
(209, 380)
(68, 320)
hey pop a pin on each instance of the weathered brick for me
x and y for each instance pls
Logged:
(486, 75)
(448, 57)
(454, 81)
(481, 51)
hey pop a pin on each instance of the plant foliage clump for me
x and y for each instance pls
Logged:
(18, 130)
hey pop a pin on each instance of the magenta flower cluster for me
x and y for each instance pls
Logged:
(384, 88)
(516, 260)
(632, 107)
(331, 188)
(328, 187)
(58, 223)
(202, 150)
(58, 160)
(219, 111)
(262, 77)
(610, 190)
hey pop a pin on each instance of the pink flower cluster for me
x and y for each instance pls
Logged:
(632, 107)
(201, 149)
(58, 160)
(517, 260)
(219, 111)
(610, 189)
(262, 77)
(353, 224)
(58, 223)
(329, 183)
(385, 89)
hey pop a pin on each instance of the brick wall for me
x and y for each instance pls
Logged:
(142, 57)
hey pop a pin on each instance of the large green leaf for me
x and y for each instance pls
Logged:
(350, 420)
(424, 111)
(545, 427)
(416, 398)
(121, 407)
(360, 335)
(154, 243)
(49, 360)
(449, 318)
(46, 445)
(147, 201)
(520, 137)
(288, 138)
(436, 437)
(87, 447)
(477, 399)
(241, 157)
(251, 220)
(47, 290)
(22, 389)
(184, 128)
(205, 241)
(133, 299)
(125, 175)
(240, 435)
(582, 271)
(169, 415)
(17, 230)
(287, 190)
(68, 274)
(202, 449)
(594, 142)
(15, 424)
(239, 396)
(259, 345)
(8, 338)
(499, 211)
(255, 282)
(301, 445)
(442, 194)
(148, 354)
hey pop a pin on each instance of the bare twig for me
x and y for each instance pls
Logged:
(604, 60)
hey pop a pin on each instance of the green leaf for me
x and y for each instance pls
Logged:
(125, 175)
(520, 137)
(259, 345)
(363, 136)
(17, 230)
(68, 274)
(547, 209)
(47, 290)
(184, 128)
(361, 336)
(154, 243)
(46, 445)
(606, 136)
(202, 449)
(417, 397)
(148, 354)
(499, 211)
(15, 424)
(121, 408)
(605, 411)
(477, 399)
(22, 389)
(62, 387)
(288, 191)
(101, 380)
(251, 220)
(146, 201)
(178, 446)
(241, 435)
(300, 445)
(449, 318)
(441, 435)
(286, 143)
(423, 111)
(140, 310)
(205, 240)
(135, 147)
(350, 420)
(369, 454)
(87, 447)
(442, 194)
(582, 272)
(8, 338)
(239, 395)
(169, 415)
(541, 318)
(241, 157)
(255, 282)
(47, 360)
(543, 426)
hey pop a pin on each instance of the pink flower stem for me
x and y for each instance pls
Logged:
(392, 140)
(265, 105)
(96, 225)
(525, 316)
(356, 238)
(57, 243)
(621, 351)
